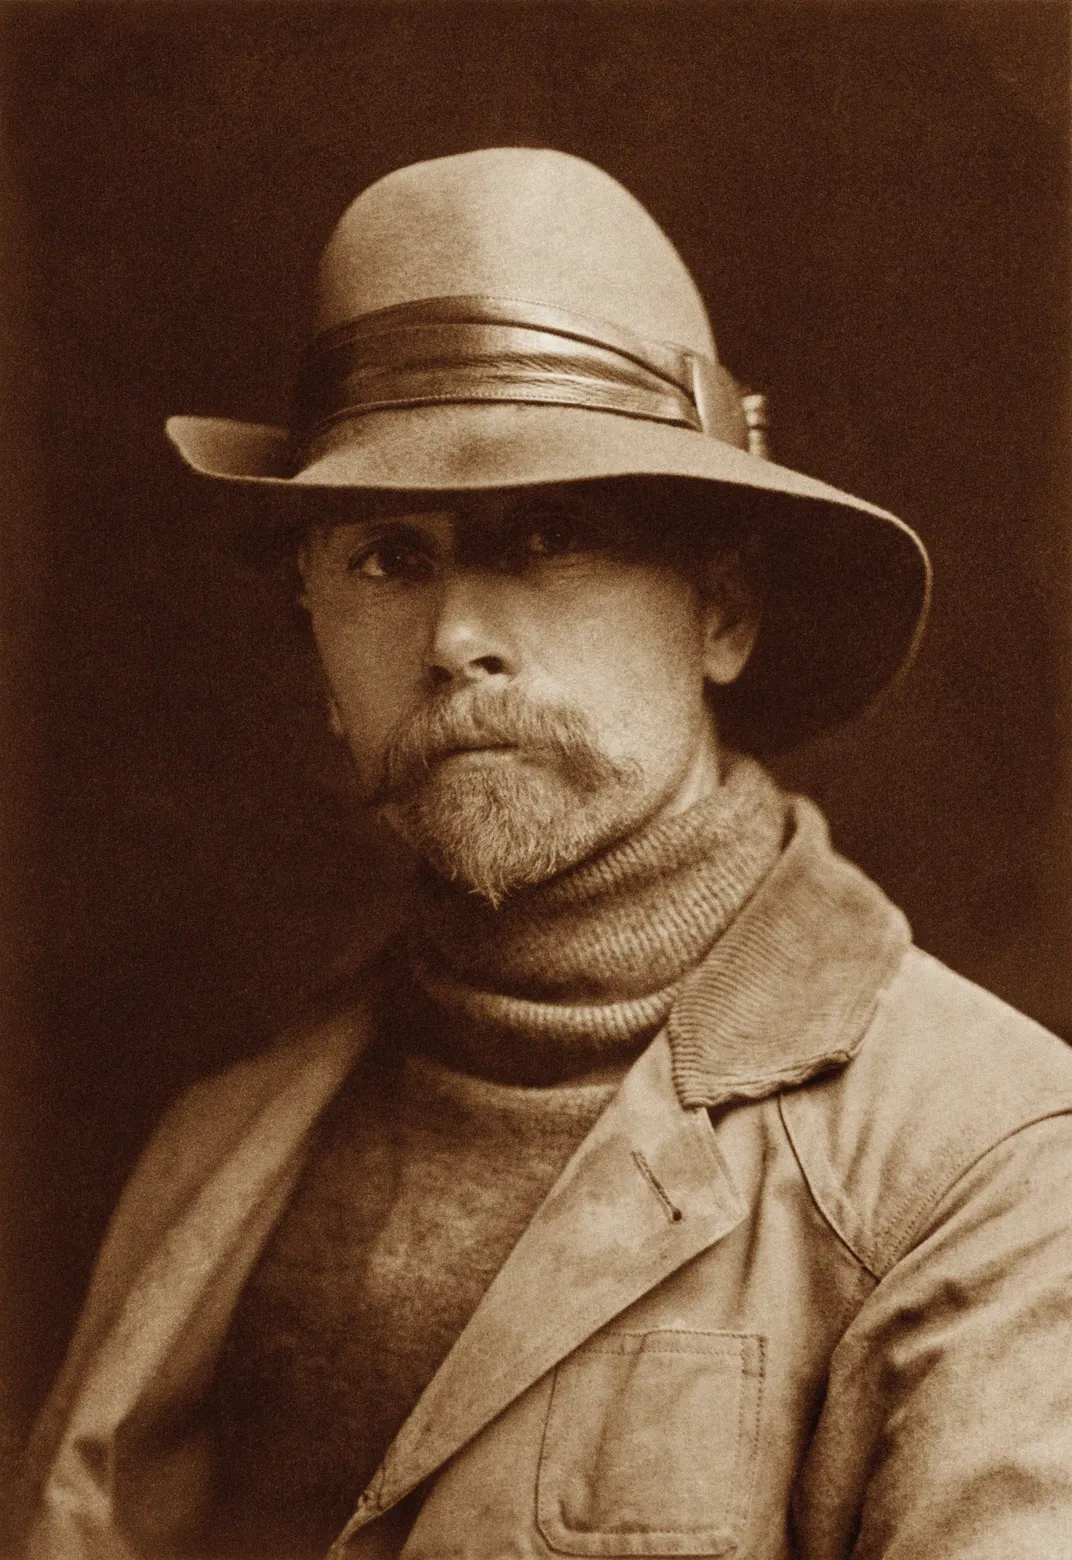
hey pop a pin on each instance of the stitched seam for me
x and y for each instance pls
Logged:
(744, 1500)
(716, 1343)
(949, 1164)
(837, 1221)
(877, 1258)
(917, 1230)
(708, 1137)
(726, 1537)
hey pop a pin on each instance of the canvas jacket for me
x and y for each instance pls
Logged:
(805, 1290)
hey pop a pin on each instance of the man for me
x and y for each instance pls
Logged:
(655, 1197)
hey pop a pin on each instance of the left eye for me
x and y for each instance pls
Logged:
(555, 536)
(551, 542)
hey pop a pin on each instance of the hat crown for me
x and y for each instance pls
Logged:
(536, 226)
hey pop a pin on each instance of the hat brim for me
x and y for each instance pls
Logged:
(848, 584)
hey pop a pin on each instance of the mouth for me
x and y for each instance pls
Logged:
(475, 750)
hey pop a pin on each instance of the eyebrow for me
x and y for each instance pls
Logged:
(406, 519)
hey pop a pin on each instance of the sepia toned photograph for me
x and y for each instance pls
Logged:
(537, 801)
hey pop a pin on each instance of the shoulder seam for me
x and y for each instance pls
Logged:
(879, 1221)
(917, 1230)
(825, 1188)
(881, 1250)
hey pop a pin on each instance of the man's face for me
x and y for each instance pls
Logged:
(520, 680)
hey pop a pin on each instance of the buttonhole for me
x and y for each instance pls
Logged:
(670, 1208)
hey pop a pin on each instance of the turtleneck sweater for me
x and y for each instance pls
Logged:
(575, 972)
(504, 1039)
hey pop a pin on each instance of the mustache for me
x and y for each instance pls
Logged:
(476, 718)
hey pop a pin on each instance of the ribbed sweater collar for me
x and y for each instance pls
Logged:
(579, 972)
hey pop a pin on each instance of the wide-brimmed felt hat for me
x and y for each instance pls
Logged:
(514, 317)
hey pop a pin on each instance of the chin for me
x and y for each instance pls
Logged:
(495, 829)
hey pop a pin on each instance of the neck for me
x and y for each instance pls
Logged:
(705, 775)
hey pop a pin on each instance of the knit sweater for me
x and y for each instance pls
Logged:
(495, 1056)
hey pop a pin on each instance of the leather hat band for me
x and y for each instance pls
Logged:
(477, 348)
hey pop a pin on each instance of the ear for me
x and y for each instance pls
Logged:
(731, 615)
(335, 718)
(303, 574)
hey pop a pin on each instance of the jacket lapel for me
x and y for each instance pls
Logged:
(646, 1191)
(176, 1313)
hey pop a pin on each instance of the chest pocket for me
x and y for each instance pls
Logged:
(650, 1443)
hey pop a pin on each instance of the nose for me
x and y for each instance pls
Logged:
(470, 639)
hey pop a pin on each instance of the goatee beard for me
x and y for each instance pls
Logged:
(500, 824)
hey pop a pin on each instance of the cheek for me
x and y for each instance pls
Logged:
(375, 679)
(637, 666)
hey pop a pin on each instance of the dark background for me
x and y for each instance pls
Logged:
(874, 200)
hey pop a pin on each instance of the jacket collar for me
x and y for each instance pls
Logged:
(788, 990)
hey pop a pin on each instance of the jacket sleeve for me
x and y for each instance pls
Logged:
(946, 1431)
